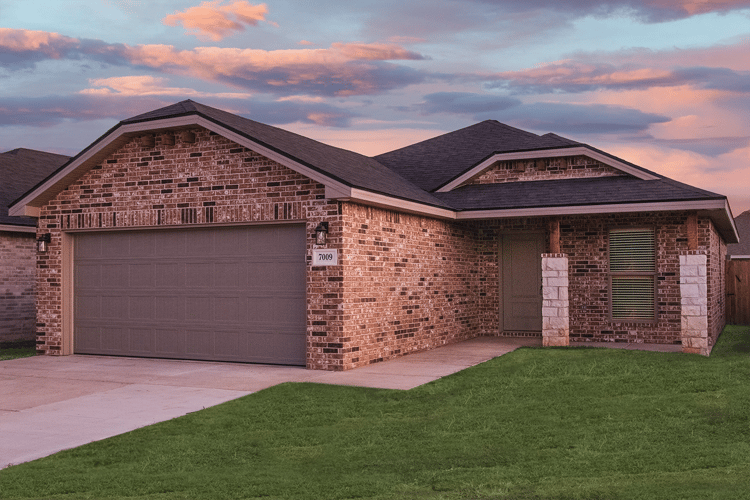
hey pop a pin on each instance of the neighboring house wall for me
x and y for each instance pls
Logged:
(17, 305)
(213, 181)
(569, 167)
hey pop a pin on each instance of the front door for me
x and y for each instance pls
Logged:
(521, 282)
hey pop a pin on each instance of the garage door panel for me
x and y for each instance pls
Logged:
(141, 275)
(114, 275)
(140, 308)
(168, 342)
(112, 307)
(141, 340)
(235, 294)
(88, 307)
(166, 275)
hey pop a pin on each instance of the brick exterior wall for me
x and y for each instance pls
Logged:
(410, 283)
(17, 305)
(570, 167)
(211, 181)
(716, 273)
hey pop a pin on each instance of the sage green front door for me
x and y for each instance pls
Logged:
(521, 282)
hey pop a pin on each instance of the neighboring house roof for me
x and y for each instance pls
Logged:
(20, 170)
(742, 248)
(425, 178)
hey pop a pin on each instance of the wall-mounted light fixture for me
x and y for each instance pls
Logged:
(42, 243)
(321, 231)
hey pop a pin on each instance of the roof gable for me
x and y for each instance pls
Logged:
(445, 162)
(338, 169)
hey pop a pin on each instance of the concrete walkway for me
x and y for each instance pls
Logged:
(51, 403)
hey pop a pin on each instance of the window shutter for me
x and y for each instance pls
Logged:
(632, 264)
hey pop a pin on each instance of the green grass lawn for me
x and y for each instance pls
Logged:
(568, 423)
(20, 349)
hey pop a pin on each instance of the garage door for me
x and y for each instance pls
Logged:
(224, 294)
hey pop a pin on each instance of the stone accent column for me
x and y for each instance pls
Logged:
(694, 301)
(555, 304)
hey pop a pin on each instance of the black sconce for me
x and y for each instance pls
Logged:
(320, 233)
(42, 243)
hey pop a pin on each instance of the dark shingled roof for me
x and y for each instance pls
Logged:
(742, 222)
(20, 170)
(571, 192)
(433, 163)
(350, 168)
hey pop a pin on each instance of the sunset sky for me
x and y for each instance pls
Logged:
(664, 84)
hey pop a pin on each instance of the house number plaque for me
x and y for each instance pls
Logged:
(325, 257)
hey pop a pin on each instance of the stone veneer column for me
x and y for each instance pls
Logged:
(694, 301)
(555, 304)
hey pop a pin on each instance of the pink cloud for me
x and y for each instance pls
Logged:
(148, 86)
(52, 45)
(214, 21)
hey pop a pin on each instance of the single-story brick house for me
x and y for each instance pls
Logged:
(191, 232)
(20, 170)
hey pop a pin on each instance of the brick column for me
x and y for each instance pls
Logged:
(694, 301)
(555, 304)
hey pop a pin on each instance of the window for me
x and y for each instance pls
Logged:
(632, 268)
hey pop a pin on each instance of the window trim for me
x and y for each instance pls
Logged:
(653, 274)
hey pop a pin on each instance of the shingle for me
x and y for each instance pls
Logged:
(571, 192)
(20, 170)
(433, 163)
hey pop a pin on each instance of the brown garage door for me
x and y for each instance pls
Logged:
(226, 294)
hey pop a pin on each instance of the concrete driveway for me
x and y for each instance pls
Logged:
(48, 404)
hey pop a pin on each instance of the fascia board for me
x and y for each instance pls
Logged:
(593, 209)
(17, 229)
(384, 201)
(547, 153)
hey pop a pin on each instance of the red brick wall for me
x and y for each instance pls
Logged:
(410, 283)
(568, 167)
(716, 277)
(17, 312)
(212, 181)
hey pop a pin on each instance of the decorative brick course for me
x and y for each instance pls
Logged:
(17, 304)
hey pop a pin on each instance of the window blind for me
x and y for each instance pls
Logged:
(632, 263)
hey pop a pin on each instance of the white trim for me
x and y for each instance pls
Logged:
(592, 209)
(548, 153)
(17, 229)
(738, 257)
(385, 201)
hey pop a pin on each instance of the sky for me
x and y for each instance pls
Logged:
(664, 84)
